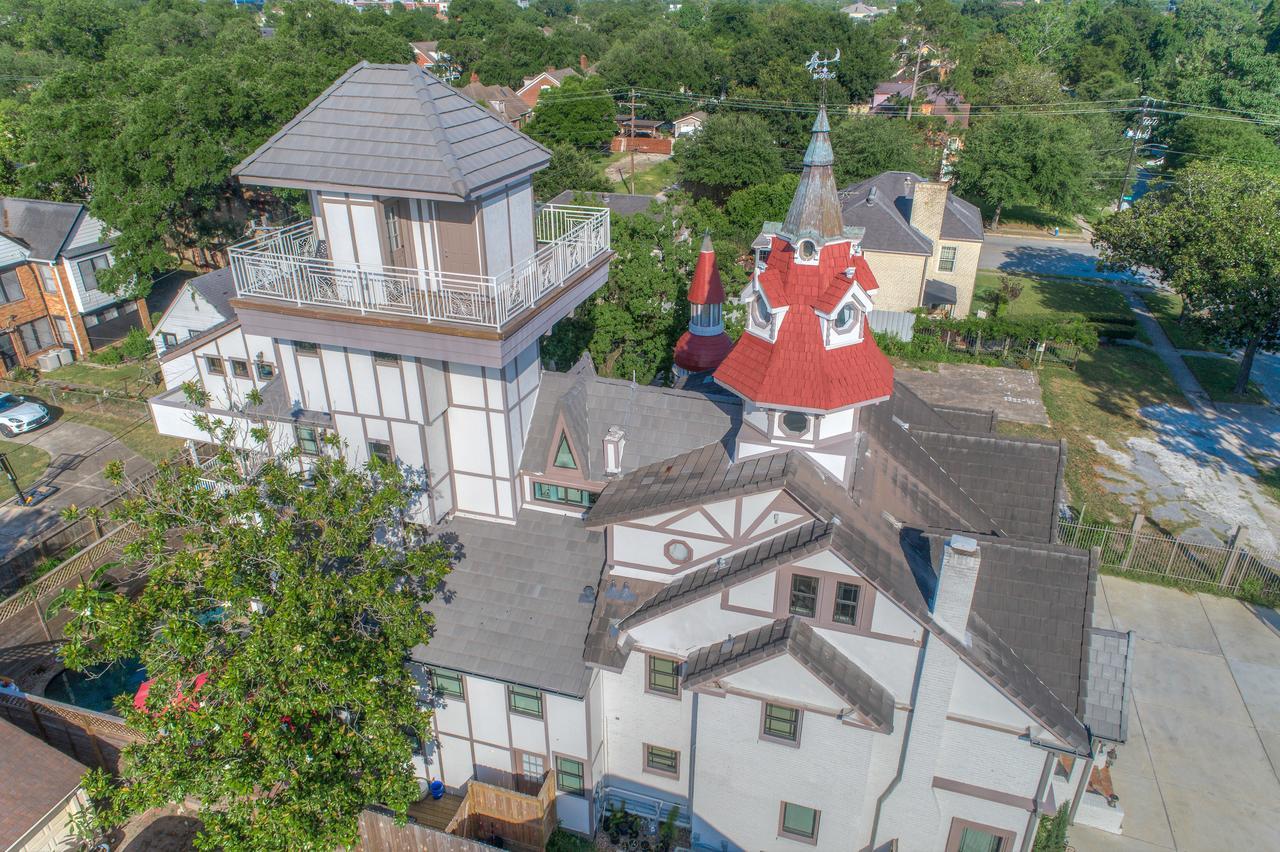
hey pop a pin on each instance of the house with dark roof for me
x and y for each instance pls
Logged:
(40, 794)
(552, 78)
(921, 242)
(50, 298)
(501, 99)
(787, 602)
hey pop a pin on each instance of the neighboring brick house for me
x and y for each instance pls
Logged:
(922, 243)
(552, 78)
(50, 256)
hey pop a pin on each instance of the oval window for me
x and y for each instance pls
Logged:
(846, 317)
(808, 249)
(760, 310)
(795, 423)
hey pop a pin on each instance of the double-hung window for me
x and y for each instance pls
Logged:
(664, 761)
(846, 606)
(781, 723)
(239, 368)
(947, 259)
(804, 596)
(214, 366)
(447, 683)
(570, 776)
(799, 822)
(525, 701)
(664, 676)
(10, 286)
(381, 451)
(308, 438)
(89, 269)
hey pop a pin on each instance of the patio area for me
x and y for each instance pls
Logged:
(1199, 769)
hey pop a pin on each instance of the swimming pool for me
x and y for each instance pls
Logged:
(94, 688)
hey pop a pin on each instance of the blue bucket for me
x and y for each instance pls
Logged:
(437, 789)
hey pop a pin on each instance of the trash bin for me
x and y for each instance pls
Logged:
(437, 789)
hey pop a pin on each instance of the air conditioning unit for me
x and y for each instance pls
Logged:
(65, 355)
(48, 361)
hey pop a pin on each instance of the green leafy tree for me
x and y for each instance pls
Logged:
(1194, 138)
(749, 208)
(659, 57)
(1210, 235)
(731, 151)
(865, 146)
(569, 169)
(579, 112)
(274, 624)
(1023, 159)
(1051, 832)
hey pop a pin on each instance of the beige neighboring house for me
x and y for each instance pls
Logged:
(687, 125)
(39, 792)
(922, 243)
(863, 11)
(501, 99)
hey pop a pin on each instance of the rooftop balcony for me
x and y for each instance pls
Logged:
(291, 266)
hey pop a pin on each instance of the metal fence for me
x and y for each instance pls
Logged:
(1026, 354)
(1231, 569)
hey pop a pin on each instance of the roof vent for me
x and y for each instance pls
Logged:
(588, 595)
(722, 562)
(871, 195)
(727, 645)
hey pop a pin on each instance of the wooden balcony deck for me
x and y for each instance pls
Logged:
(436, 813)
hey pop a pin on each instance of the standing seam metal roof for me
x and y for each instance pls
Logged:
(394, 129)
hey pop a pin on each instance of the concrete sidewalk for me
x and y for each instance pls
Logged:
(1199, 770)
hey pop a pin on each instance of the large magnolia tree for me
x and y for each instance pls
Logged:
(1213, 235)
(275, 622)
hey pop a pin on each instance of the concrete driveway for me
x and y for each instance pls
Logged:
(1071, 258)
(77, 455)
(1199, 770)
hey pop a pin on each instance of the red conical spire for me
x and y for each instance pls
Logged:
(705, 344)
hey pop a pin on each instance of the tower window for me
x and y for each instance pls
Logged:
(760, 311)
(794, 423)
(807, 249)
(846, 318)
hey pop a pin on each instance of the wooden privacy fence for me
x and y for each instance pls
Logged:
(74, 569)
(521, 821)
(1232, 568)
(94, 739)
(379, 833)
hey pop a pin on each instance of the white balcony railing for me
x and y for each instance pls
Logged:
(290, 265)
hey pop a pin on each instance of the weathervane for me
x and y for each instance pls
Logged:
(820, 69)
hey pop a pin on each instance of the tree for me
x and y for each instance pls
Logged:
(749, 208)
(569, 169)
(579, 113)
(1012, 159)
(732, 150)
(1210, 235)
(1051, 832)
(866, 146)
(274, 625)
(1195, 138)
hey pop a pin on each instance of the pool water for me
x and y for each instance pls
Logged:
(95, 688)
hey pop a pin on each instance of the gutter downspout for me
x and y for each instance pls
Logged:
(906, 741)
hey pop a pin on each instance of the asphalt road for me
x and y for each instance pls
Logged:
(1073, 258)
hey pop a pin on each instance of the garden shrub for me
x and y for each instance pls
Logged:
(108, 357)
(137, 345)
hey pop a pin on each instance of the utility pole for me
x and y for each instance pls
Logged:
(1141, 132)
(12, 477)
(915, 79)
(630, 134)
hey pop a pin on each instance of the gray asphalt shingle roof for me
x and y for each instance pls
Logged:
(818, 656)
(882, 205)
(518, 602)
(42, 226)
(398, 130)
(657, 422)
(217, 289)
(1108, 665)
(622, 203)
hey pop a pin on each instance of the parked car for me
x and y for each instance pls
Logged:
(19, 414)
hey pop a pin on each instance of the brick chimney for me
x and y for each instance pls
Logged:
(956, 582)
(582, 61)
(927, 206)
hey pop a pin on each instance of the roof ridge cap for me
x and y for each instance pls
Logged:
(421, 81)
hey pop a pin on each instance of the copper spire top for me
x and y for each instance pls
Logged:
(815, 209)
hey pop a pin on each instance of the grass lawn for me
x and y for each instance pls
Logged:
(112, 378)
(650, 179)
(1166, 308)
(1218, 376)
(1023, 218)
(1099, 400)
(1051, 295)
(138, 435)
(28, 463)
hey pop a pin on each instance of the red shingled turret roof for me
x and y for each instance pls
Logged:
(706, 289)
(797, 370)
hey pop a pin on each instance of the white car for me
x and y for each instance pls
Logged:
(18, 415)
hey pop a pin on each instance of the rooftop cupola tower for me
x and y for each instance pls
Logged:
(806, 361)
(705, 344)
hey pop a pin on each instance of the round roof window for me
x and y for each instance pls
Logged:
(808, 249)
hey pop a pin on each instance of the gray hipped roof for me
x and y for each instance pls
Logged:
(882, 206)
(397, 130)
(819, 657)
(1108, 665)
(42, 226)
